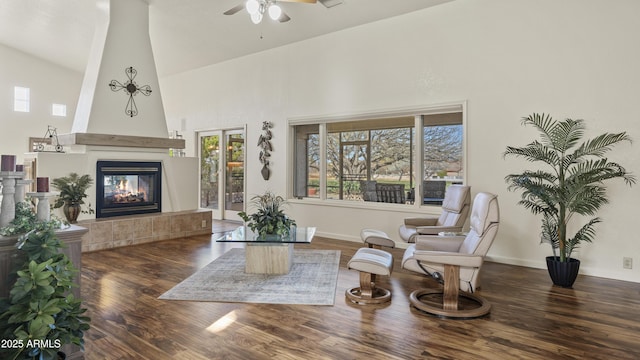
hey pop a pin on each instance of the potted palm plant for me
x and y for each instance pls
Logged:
(73, 190)
(570, 182)
(270, 218)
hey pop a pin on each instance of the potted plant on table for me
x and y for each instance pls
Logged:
(571, 182)
(73, 190)
(270, 218)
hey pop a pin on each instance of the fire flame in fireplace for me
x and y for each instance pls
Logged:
(125, 193)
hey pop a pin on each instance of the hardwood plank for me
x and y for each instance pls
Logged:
(530, 318)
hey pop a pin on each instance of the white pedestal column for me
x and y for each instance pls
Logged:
(43, 210)
(20, 185)
(8, 206)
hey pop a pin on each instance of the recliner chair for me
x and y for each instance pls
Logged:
(455, 209)
(455, 261)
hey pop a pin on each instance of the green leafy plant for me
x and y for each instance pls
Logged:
(25, 220)
(270, 218)
(73, 189)
(41, 314)
(571, 181)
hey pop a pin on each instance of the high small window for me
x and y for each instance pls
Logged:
(21, 99)
(59, 110)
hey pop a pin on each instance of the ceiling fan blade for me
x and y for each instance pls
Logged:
(331, 3)
(284, 18)
(234, 9)
(300, 1)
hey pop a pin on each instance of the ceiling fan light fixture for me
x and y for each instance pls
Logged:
(252, 6)
(256, 18)
(275, 12)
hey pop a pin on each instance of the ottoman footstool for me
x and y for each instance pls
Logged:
(370, 263)
(376, 239)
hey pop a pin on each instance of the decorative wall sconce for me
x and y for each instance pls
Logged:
(131, 88)
(264, 142)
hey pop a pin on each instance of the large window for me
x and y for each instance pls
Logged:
(379, 159)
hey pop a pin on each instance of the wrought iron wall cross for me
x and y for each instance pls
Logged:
(131, 88)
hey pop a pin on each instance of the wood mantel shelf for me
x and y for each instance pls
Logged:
(120, 140)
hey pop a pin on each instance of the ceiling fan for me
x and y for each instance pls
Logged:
(257, 9)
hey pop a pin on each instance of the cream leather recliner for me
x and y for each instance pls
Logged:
(457, 259)
(455, 209)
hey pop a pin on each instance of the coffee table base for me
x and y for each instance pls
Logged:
(268, 258)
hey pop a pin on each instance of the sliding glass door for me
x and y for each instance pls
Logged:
(234, 174)
(222, 176)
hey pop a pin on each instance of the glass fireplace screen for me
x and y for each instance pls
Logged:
(127, 188)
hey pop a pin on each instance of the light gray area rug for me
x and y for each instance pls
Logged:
(311, 281)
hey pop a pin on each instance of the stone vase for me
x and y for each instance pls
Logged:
(71, 212)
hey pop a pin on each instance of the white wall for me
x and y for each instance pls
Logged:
(506, 58)
(49, 84)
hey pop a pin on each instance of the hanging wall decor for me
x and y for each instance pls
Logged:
(131, 88)
(264, 142)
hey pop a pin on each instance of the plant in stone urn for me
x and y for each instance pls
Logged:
(73, 190)
(270, 219)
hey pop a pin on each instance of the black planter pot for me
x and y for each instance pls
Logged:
(563, 273)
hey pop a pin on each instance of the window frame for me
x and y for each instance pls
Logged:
(418, 166)
(60, 107)
(26, 102)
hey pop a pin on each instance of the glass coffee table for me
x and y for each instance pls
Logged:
(272, 254)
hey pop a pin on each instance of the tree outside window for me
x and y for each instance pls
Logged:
(363, 156)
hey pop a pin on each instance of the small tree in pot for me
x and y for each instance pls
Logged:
(571, 183)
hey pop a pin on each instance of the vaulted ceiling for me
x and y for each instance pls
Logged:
(185, 34)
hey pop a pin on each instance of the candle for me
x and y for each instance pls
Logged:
(42, 184)
(19, 167)
(8, 163)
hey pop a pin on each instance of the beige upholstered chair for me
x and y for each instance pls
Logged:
(455, 209)
(456, 261)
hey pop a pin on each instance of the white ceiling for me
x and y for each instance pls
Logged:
(185, 34)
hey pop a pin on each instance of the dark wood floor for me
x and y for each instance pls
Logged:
(530, 319)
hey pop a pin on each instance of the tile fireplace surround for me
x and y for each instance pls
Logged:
(120, 231)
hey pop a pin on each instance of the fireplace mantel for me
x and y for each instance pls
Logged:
(120, 141)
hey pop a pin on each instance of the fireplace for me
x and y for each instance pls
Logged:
(128, 188)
